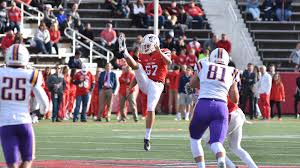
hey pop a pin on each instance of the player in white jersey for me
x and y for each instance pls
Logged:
(16, 85)
(217, 80)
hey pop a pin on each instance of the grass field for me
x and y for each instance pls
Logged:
(268, 142)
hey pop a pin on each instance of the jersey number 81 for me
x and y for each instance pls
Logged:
(213, 70)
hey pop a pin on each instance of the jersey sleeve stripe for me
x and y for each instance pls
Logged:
(34, 77)
(16, 52)
(234, 74)
(198, 66)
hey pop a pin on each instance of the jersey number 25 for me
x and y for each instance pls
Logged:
(13, 89)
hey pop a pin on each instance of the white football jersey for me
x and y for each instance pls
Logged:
(216, 79)
(16, 86)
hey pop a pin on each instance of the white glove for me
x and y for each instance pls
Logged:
(122, 44)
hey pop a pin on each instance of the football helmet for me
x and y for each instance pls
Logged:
(219, 56)
(148, 44)
(17, 55)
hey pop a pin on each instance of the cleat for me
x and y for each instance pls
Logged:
(147, 145)
(221, 165)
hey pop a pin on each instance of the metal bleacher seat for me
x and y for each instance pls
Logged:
(274, 39)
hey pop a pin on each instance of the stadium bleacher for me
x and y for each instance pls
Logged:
(274, 39)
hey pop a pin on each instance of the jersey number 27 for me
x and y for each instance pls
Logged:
(13, 89)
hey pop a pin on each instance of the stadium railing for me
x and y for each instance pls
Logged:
(94, 48)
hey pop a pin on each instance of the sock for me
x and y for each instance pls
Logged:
(187, 116)
(148, 133)
(221, 159)
(201, 165)
(229, 163)
(178, 116)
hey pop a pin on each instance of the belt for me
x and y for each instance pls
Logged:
(105, 88)
(213, 99)
(158, 81)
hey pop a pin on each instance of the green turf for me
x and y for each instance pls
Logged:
(269, 143)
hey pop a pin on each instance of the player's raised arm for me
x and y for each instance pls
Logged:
(166, 55)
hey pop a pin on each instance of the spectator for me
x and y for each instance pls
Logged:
(54, 36)
(66, 95)
(14, 16)
(174, 58)
(68, 23)
(126, 94)
(3, 16)
(185, 100)
(24, 1)
(297, 97)
(122, 9)
(253, 9)
(171, 13)
(268, 6)
(173, 81)
(264, 92)
(169, 41)
(49, 17)
(184, 20)
(248, 80)
(295, 57)
(76, 17)
(46, 74)
(56, 85)
(137, 42)
(283, 9)
(87, 32)
(7, 41)
(85, 82)
(108, 36)
(75, 62)
(139, 17)
(191, 58)
(107, 87)
(61, 17)
(255, 88)
(211, 43)
(277, 95)
(42, 39)
(272, 70)
(72, 93)
(224, 43)
(94, 107)
(180, 44)
(182, 58)
(194, 44)
(195, 12)
(38, 3)
(204, 55)
(150, 14)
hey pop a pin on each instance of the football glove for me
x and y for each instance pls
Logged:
(188, 89)
(122, 44)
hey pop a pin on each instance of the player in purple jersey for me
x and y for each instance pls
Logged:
(16, 85)
(217, 81)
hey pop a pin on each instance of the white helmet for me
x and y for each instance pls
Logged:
(219, 56)
(148, 43)
(17, 55)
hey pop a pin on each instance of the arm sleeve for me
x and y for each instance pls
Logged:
(41, 95)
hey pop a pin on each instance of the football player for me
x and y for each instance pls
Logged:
(150, 70)
(16, 85)
(217, 80)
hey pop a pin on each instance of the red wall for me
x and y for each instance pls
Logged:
(289, 82)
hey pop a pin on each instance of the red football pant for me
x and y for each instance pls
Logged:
(264, 105)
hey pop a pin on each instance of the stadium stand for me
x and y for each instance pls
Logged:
(274, 40)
